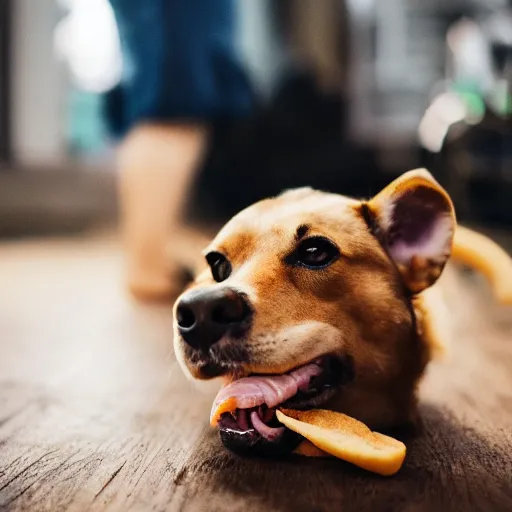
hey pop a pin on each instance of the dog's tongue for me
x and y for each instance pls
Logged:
(271, 390)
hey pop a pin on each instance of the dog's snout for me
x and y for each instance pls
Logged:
(203, 317)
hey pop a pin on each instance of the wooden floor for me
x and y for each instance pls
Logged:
(96, 415)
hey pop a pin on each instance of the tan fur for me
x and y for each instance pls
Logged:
(421, 272)
(477, 251)
(363, 306)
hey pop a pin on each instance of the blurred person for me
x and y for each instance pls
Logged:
(180, 74)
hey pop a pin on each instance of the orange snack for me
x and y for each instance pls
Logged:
(346, 438)
(228, 405)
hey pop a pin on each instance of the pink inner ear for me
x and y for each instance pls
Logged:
(421, 225)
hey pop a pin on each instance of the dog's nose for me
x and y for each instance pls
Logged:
(205, 316)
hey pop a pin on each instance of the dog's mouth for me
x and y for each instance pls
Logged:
(244, 410)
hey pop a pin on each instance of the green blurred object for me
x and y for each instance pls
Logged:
(499, 99)
(472, 96)
(86, 132)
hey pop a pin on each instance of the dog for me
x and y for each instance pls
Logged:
(311, 276)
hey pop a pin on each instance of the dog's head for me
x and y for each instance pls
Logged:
(315, 277)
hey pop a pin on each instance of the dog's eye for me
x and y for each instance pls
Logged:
(219, 265)
(314, 253)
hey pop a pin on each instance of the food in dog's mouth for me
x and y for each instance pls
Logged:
(271, 415)
(245, 410)
(346, 438)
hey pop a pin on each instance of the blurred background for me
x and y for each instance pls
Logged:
(119, 119)
(349, 95)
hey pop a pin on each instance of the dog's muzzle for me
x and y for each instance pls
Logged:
(205, 316)
(245, 409)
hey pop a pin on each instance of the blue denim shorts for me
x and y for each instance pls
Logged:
(180, 63)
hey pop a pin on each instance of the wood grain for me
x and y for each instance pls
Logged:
(96, 415)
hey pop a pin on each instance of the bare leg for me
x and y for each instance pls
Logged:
(157, 165)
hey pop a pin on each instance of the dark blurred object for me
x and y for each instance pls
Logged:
(478, 162)
(345, 114)
(298, 140)
(318, 36)
(475, 156)
(300, 136)
(352, 111)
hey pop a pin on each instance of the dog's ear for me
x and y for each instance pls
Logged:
(414, 219)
